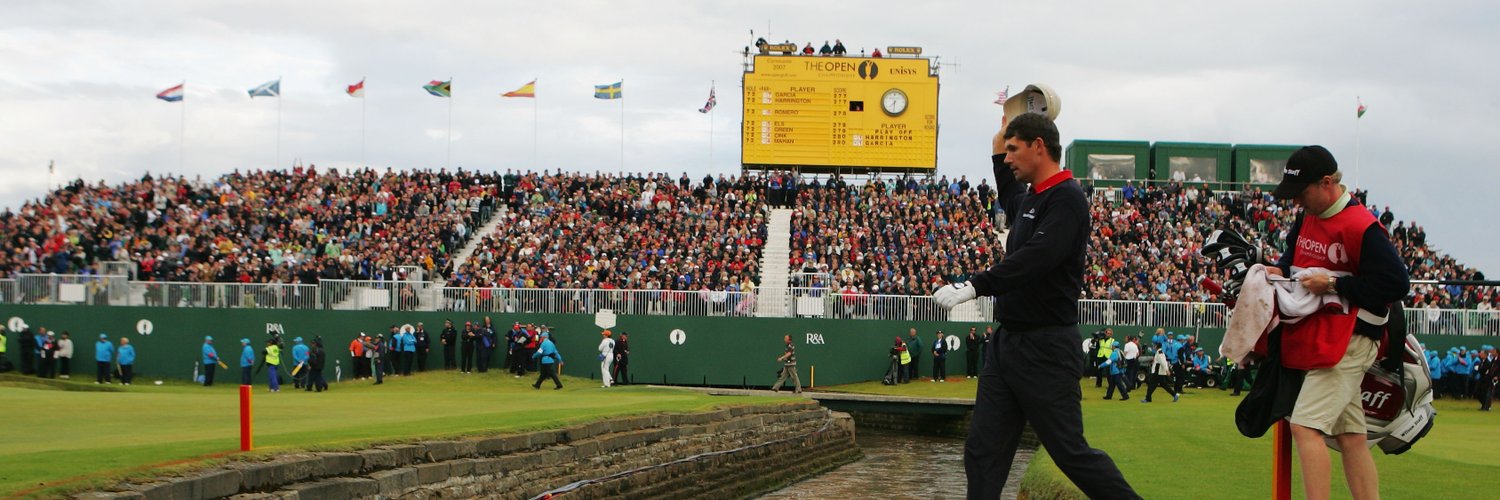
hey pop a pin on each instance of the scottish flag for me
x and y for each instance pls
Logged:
(268, 89)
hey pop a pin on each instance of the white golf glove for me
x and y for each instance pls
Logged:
(952, 295)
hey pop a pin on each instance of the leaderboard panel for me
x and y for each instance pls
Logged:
(810, 111)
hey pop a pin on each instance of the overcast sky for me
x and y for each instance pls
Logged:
(77, 81)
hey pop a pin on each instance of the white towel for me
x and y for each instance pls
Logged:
(1295, 302)
(1253, 315)
(1264, 304)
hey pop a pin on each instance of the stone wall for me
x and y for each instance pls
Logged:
(914, 423)
(737, 451)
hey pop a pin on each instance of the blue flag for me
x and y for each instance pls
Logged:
(268, 89)
(610, 91)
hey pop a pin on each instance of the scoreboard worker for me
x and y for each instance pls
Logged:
(1340, 250)
(1034, 364)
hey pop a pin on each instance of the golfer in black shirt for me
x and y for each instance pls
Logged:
(1034, 362)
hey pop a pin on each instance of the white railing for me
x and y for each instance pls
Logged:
(826, 303)
(85, 289)
(404, 295)
(223, 295)
(802, 302)
(9, 291)
(586, 301)
(1452, 322)
(1153, 314)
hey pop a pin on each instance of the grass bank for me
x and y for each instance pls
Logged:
(1191, 449)
(62, 436)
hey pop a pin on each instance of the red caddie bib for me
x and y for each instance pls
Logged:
(1319, 340)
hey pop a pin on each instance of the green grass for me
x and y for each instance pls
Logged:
(1191, 449)
(955, 387)
(57, 438)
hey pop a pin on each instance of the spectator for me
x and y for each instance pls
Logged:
(939, 358)
(838, 48)
(65, 356)
(606, 358)
(104, 355)
(548, 358)
(1160, 374)
(210, 360)
(827, 49)
(47, 356)
(972, 348)
(126, 360)
(247, 362)
(622, 359)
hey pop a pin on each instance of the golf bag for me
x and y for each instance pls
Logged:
(1397, 392)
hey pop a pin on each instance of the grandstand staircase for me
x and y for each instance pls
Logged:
(469, 248)
(430, 293)
(774, 299)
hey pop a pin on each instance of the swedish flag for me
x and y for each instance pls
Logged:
(610, 91)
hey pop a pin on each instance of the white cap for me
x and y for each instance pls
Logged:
(1036, 98)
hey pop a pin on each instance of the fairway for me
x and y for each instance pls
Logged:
(1191, 449)
(70, 439)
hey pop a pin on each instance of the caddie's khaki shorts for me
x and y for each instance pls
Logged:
(1330, 397)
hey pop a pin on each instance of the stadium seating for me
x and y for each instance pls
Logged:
(252, 227)
(568, 230)
(887, 236)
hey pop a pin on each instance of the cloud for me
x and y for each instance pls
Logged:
(80, 77)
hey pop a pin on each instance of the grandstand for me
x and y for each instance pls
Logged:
(641, 244)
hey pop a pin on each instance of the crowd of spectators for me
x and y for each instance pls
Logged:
(903, 236)
(634, 232)
(273, 226)
(885, 236)
(1146, 240)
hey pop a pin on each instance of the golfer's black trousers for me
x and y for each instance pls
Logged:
(1033, 376)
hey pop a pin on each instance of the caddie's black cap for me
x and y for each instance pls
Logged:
(1304, 167)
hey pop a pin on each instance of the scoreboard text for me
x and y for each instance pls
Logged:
(840, 112)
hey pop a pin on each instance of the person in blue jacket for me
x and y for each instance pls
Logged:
(126, 361)
(210, 360)
(1115, 364)
(104, 353)
(247, 362)
(549, 358)
(1201, 365)
(408, 351)
(299, 358)
(1457, 365)
(1435, 366)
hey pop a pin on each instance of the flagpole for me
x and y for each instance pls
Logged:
(1356, 144)
(362, 106)
(182, 133)
(534, 126)
(711, 128)
(622, 127)
(448, 161)
(278, 123)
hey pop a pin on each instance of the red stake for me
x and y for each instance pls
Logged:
(246, 440)
(1281, 462)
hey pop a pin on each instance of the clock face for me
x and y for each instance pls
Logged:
(893, 102)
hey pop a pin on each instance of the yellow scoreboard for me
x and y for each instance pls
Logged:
(812, 111)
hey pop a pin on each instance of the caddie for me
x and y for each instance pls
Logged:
(1337, 250)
